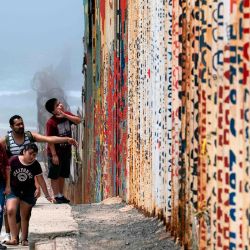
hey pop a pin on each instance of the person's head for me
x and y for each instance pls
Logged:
(16, 124)
(52, 104)
(29, 152)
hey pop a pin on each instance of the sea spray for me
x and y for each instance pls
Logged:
(50, 83)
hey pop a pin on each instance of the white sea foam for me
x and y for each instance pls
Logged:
(4, 127)
(13, 93)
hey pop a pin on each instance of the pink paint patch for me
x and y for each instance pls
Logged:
(148, 73)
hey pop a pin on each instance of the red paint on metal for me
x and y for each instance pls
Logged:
(148, 73)
(102, 13)
(123, 7)
(232, 3)
(109, 135)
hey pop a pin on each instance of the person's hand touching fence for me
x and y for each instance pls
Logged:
(72, 142)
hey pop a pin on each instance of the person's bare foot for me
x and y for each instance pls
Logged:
(12, 242)
(24, 243)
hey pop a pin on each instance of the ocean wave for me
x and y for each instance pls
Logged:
(6, 127)
(70, 93)
(13, 93)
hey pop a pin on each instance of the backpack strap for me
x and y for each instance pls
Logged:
(7, 141)
(30, 136)
(7, 144)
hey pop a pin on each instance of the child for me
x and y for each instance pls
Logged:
(24, 168)
(59, 154)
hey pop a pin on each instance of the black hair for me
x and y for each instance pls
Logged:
(29, 146)
(50, 105)
(13, 118)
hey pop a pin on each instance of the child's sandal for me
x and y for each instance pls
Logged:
(24, 243)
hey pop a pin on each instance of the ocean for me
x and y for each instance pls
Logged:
(21, 99)
(19, 81)
(38, 43)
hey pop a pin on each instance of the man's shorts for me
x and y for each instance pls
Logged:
(61, 170)
(28, 198)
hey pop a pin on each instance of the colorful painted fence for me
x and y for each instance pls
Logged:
(167, 114)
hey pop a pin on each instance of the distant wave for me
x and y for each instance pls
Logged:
(6, 126)
(11, 93)
(70, 93)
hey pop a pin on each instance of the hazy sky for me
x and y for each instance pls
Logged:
(35, 35)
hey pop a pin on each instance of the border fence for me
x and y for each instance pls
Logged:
(166, 123)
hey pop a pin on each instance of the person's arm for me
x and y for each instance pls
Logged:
(7, 187)
(53, 139)
(6, 164)
(42, 183)
(73, 118)
(55, 158)
(3, 142)
(38, 190)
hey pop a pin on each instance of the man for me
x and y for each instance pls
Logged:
(14, 143)
(59, 155)
(18, 137)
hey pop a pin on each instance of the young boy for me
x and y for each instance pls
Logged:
(59, 155)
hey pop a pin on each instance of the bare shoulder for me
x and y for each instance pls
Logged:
(2, 141)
